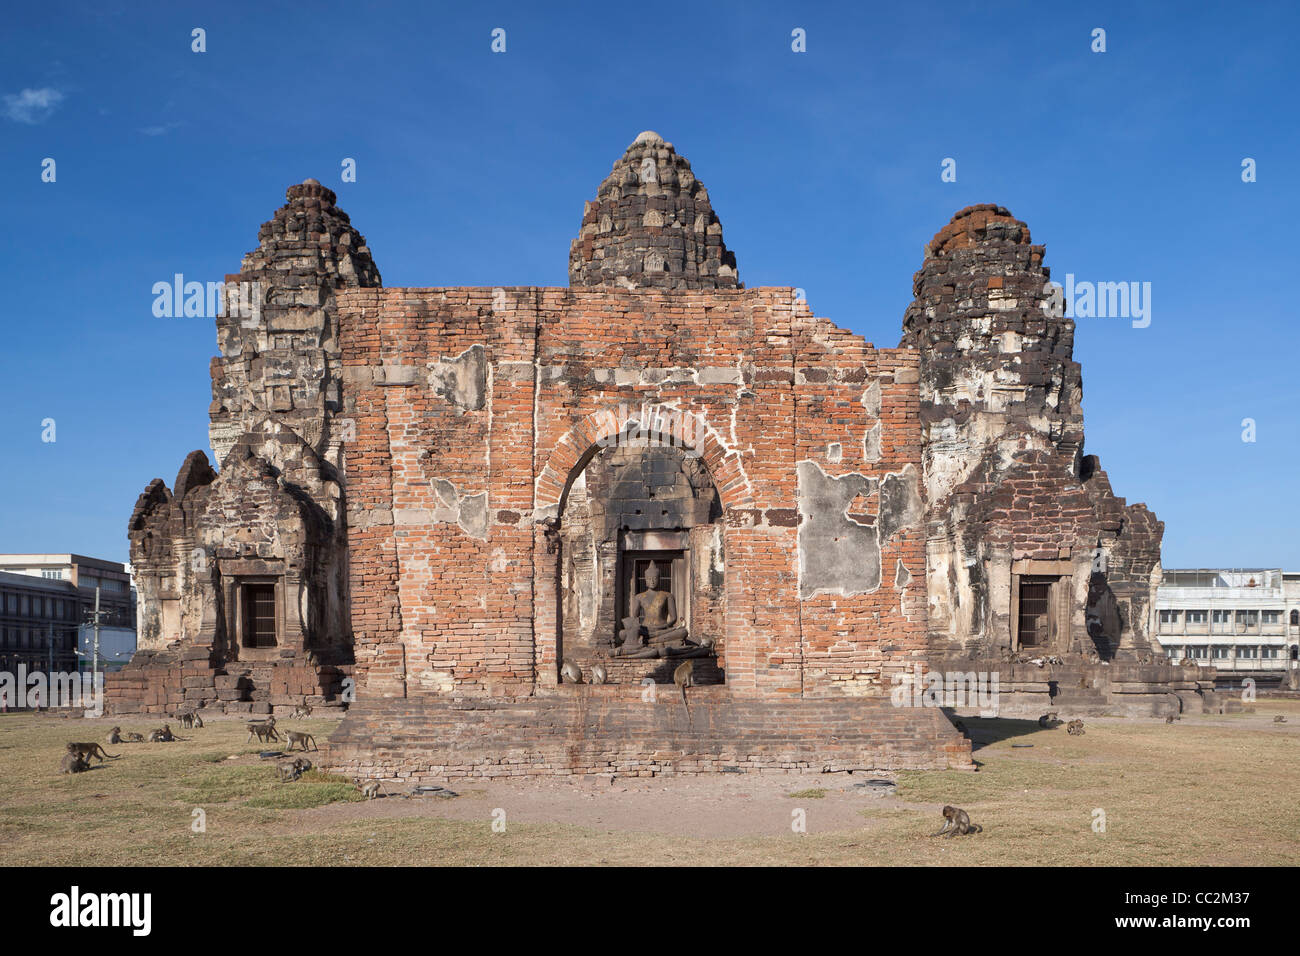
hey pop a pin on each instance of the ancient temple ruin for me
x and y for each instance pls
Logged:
(430, 499)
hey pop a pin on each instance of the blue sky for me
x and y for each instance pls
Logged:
(823, 166)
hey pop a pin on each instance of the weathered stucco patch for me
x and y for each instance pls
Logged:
(470, 512)
(871, 399)
(462, 380)
(871, 443)
(837, 555)
(900, 502)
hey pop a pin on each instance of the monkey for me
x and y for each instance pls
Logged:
(302, 763)
(91, 750)
(684, 677)
(1094, 658)
(133, 738)
(571, 672)
(1279, 719)
(162, 735)
(1049, 720)
(115, 735)
(369, 790)
(198, 721)
(599, 675)
(263, 732)
(313, 659)
(1074, 728)
(1170, 719)
(288, 770)
(302, 710)
(957, 822)
(73, 763)
(187, 720)
(298, 738)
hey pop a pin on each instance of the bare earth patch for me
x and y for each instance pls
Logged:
(1203, 791)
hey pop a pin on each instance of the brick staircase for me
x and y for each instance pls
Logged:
(611, 729)
(1078, 688)
(168, 681)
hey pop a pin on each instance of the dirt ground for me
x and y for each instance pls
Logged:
(1203, 791)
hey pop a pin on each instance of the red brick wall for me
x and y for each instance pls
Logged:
(441, 602)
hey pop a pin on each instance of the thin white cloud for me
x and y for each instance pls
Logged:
(160, 130)
(32, 106)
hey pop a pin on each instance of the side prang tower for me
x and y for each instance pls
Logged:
(1028, 549)
(242, 575)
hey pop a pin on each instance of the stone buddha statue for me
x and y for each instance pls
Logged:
(652, 616)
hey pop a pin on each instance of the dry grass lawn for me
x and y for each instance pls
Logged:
(1204, 791)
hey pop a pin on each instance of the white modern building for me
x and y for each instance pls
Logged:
(1239, 620)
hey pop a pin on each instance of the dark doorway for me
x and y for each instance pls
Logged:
(259, 615)
(1035, 612)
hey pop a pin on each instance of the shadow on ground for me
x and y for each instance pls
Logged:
(983, 731)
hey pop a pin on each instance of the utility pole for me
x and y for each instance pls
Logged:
(95, 669)
(95, 620)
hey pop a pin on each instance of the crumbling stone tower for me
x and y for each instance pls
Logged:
(651, 227)
(283, 361)
(242, 575)
(1027, 547)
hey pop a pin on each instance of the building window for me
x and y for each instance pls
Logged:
(1247, 653)
(1173, 652)
(1295, 618)
(259, 615)
(1197, 617)
(1219, 653)
(1197, 652)
(1247, 622)
(52, 575)
(1035, 604)
(1271, 617)
(1169, 621)
(1221, 622)
(1269, 653)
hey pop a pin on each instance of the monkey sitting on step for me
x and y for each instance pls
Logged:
(1049, 720)
(599, 675)
(1279, 719)
(957, 821)
(570, 673)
